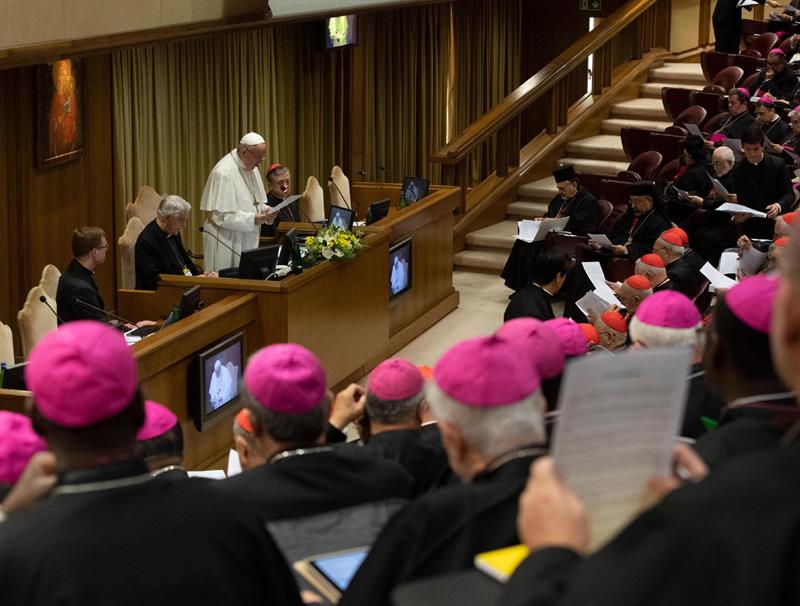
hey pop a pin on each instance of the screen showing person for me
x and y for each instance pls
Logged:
(415, 189)
(399, 268)
(341, 217)
(222, 376)
(340, 31)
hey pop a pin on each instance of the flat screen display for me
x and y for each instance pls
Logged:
(341, 217)
(339, 569)
(340, 31)
(400, 268)
(218, 370)
(415, 189)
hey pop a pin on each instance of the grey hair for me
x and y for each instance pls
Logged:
(658, 336)
(492, 431)
(172, 205)
(391, 412)
(724, 154)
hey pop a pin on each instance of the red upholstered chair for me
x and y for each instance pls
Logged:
(749, 65)
(592, 182)
(644, 166)
(669, 146)
(751, 27)
(668, 171)
(616, 213)
(750, 81)
(711, 102)
(634, 141)
(606, 210)
(713, 63)
(616, 192)
(713, 123)
(692, 115)
(675, 100)
(725, 80)
(762, 43)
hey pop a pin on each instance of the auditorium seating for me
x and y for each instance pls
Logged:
(35, 319)
(713, 63)
(670, 146)
(145, 205)
(762, 43)
(606, 210)
(749, 65)
(675, 100)
(668, 171)
(634, 141)
(725, 80)
(6, 345)
(127, 244)
(339, 183)
(312, 201)
(712, 102)
(49, 280)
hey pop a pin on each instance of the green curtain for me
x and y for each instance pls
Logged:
(179, 107)
(486, 49)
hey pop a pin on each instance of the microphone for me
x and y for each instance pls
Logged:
(330, 180)
(379, 181)
(203, 230)
(102, 311)
(43, 299)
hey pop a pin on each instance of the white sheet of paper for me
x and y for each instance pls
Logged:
(527, 230)
(549, 225)
(601, 239)
(591, 303)
(616, 429)
(234, 464)
(285, 203)
(595, 273)
(729, 262)
(717, 278)
(746, 3)
(211, 474)
(730, 207)
(719, 187)
(751, 261)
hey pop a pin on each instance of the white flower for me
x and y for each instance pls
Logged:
(339, 253)
(327, 253)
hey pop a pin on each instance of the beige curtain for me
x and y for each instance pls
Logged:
(486, 58)
(406, 57)
(179, 107)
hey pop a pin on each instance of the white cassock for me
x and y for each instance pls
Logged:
(221, 388)
(230, 195)
(399, 275)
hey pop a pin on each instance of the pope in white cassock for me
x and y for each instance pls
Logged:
(234, 201)
(221, 388)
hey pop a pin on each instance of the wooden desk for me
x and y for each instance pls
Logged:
(14, 400)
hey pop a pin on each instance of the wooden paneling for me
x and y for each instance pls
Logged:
(40, 208)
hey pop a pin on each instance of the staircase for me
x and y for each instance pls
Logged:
(487, 249)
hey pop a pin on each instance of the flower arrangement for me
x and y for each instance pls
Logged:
(333, 243)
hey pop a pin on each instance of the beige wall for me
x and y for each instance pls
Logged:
(685, 25)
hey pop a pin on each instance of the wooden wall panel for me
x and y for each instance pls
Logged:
(40, 208)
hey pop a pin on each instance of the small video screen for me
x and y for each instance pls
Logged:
(400, 268)
(222, 376)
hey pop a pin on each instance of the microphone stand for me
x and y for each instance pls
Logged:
(43, 299)
(330, 180)
(203, 230)
(102, 311)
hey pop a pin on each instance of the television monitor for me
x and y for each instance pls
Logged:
(378, 210)
(340, 32)
(190, 302)
(14, 377)
(214, 380)
(258, 263)
(341, 217)
(400, 268)
(287, 246)
(415, 189)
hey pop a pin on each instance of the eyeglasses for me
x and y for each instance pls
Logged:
(103, 247)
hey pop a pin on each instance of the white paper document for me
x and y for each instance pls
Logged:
(751, 260)
(234, 463)
(616, 429)
(211, 474)
(285, 203)
(719, 187)
(595, 274)
(746, 3)
(591, 303)
(601, 239)
(730, 207)
(536, 231)
(729, 262)
(716, 278)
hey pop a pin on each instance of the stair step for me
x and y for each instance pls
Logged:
(523, 209)
(601, 147)
(612, 126)
(543, 188)
(652, 90)
(481, 260)
(499, 236)
(643, 109)
(677, 72)
(599, 167)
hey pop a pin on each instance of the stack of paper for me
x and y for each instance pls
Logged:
(595, 274)
(751, 260)
(729, 262)
(592, 304)
(730, 207)
(601, 239)
(536, 231)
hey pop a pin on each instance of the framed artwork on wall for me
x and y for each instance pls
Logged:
(59, 113)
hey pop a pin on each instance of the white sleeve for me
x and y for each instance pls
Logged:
(238, 220)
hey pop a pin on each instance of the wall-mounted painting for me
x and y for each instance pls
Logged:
(59, 113)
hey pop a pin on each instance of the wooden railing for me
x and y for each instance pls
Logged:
(646, 22)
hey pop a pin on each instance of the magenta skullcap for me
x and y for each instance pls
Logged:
(395, 379)
(540, 341)
(668, 309)
(776, 51)
(571, 336)
(81, 374)
(766, 100)
(286, 378)
(486, 372)
(158, 420)
(751, 301)
(18, 443)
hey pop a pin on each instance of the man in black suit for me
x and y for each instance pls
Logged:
(762, 181)
(89, 248)
(682, 263)
(290, 471)
(159, 248)
(550, 269)
(279, 187)
(573, 201)
(110, 532)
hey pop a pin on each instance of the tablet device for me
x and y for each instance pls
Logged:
(331, 573)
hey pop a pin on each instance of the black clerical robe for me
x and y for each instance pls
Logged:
(727, 22)
(695, 181)
(148, 540)
(441, 532)
(323, 480)
(748, 428)
(685, 273)
(703, 400)
(776, 131)
(729, 540)
(642, 230)
(582, 210)
(780, 86)
(77, 282)
(426, 463)
(762, 184)
(734, 125)
(532, 301)
(158, 253)
(288, 213)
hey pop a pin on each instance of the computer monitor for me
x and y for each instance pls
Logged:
(415, 189)
(258, 263)
(400, 268)
(287, 246)
(340, 32)
(190, 302)
(378, 210)
(214, 380)
(14, 377)
(341, 217)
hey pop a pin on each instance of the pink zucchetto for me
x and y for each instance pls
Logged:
(776, 51)
(158, 420)
(486, 372)
(751, 301)
(540, 341)
(395, 379)
(666, 319)
(18, 443)
(766, 100)
(285, 378)
(81, 374)
(571, 336)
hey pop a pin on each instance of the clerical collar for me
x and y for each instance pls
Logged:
(106, 477)
(298, 452)
(760, 160)
(760, 398)
(544, 289)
